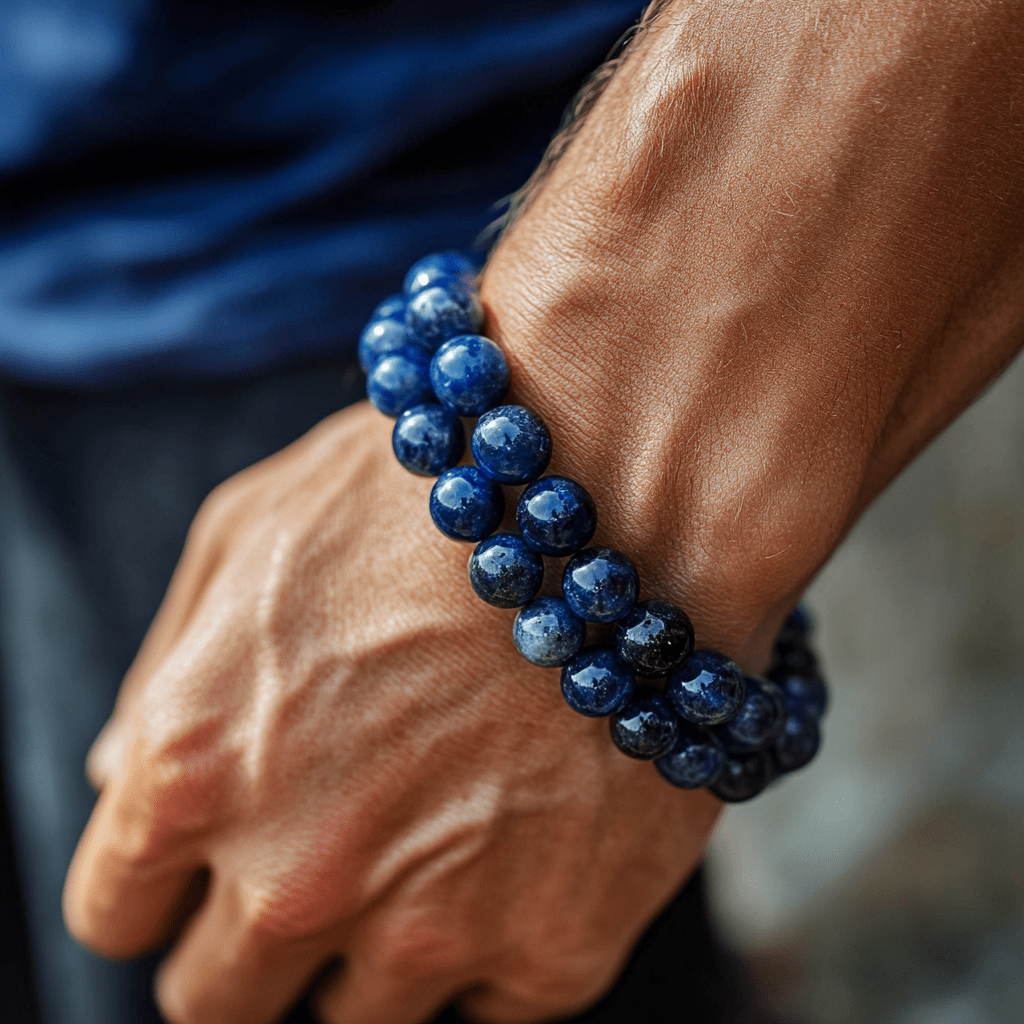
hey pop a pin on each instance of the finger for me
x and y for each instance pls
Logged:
(497, 1004)
(234, 965)
(121, 897)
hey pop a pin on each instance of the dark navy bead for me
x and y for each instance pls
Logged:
(801, 660)
(646, 727)
(654, 638)
(380, 338)
(400, 380)
(469, 374)
(428, 439)
(696, 759)
(597, 682)
(547, 633)
(511, 445)
(804, 694)
(743, 777)
(707, 689)
(798, 743)
(759, 720)
(504, 571)
(392, 308)
(796, 630)
(556, 516)
(436, 314)
(466, 505)
(426, 271)
(601, 585)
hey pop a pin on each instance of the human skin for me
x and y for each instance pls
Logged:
(784, 250)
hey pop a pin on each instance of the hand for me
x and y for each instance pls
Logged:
(327, 719)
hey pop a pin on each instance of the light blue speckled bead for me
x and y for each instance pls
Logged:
(469, 374)
(424, 272)
(547, 633)
(445, 310)
(511, 444)
(399, 380)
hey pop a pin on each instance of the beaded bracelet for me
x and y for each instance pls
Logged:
(707, 725)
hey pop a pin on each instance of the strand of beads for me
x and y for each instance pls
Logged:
(708, 725)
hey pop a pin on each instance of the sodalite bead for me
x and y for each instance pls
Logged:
(805, 694)
(511, 445)
(743, 777)
(469, 374)
(547, 633)
(504, 571)
(392, 308)
(798, 743)
(696, 759)
(556, 516)
(379, 338)
(426, 271)
(600, 585)
(760, 718)
(654, 638)
(465, 504)
(400, 380)
(438, 313)
(707, 689)
(646, 727)
(796, 630)
(427, 439)
(597, 682)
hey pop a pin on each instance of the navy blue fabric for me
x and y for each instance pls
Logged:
(199, 188)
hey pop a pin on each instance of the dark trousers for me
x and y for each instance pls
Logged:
(96, 493)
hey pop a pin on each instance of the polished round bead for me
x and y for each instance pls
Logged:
(556, 516)
(400, 380)
(800, 660)
(597, 682)
(759, 720)
(547, 633)
(805, 694)
(511, 444)
(504, 571)
(600, 585)
(465, 504)
(469, 374)
(427, 439)
(696, 759)
(707, 689)
(798, 743)
(392, 308)
(436, 314)
(646, 727)
(743, 777)
(381, 338)
(654, 638)
(424, 272)
(796, 630)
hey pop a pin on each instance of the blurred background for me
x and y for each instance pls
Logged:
(885, 884)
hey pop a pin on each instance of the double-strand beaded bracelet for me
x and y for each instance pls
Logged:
(707, 724)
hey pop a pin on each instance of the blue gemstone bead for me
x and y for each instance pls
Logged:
(800, 660)
(466, 505)
(511, 445)
(796, 630)
(743, 777)
(798, 743)
(437, 314)
(426, 271)
(469, 374)
(654, 638)
(400, 380)
(597, 682)
(547, 633)
(805, 694)
(380, 338)
(600, 585)
(392, 308)
(759, 720)
(504, 571)
(556, 516)
(646, 727)
(707, 689)
(427, 439)
(696, 759)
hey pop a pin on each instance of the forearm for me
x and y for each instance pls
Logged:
(783, 251)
